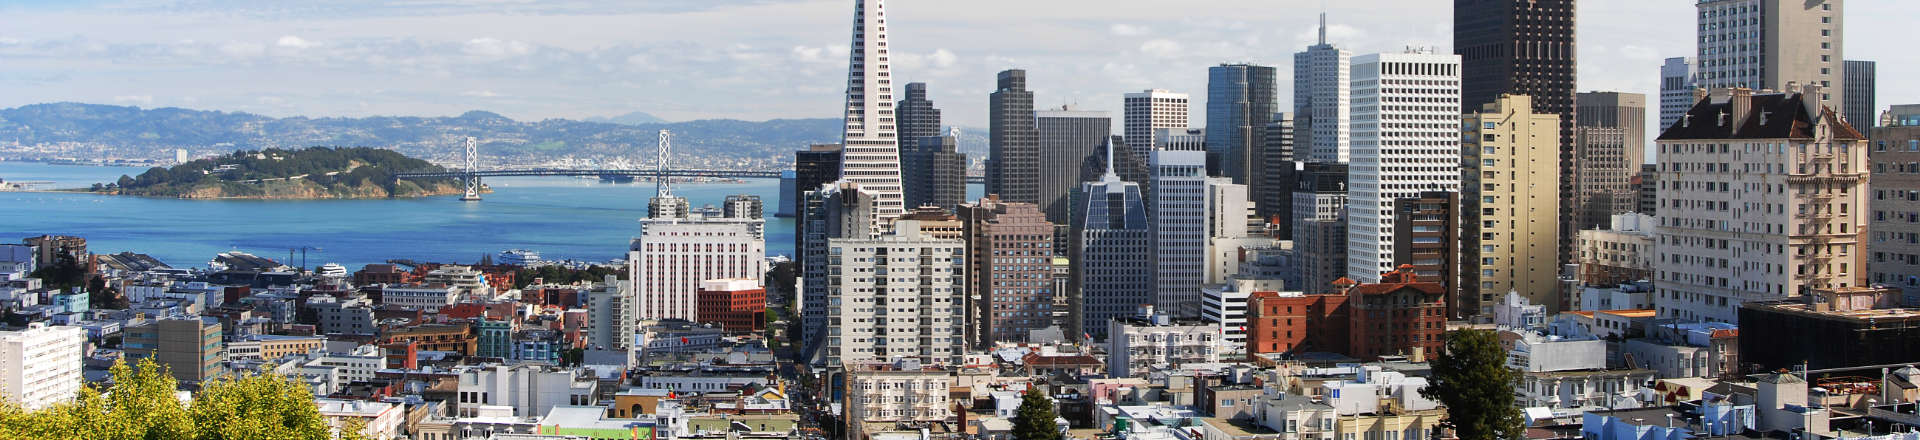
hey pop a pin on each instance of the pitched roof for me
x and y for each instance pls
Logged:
(1771, 116)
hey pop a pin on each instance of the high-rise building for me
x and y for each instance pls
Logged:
(190, 348)
(1678, 79)
(1859, 87)
(1146, 112)
(1320, 226)
(1510, 203)
(610, 322)
(918, 119)
(834, 211)
(1240, 103)
(672, 255)
(1769, 44)
(1010, 270)
(938, 175)
(40, 365)
(1013, 150)
(1610, 143)
(1427, 241)
(895, 296)
(1227, 213)
(1762, 197)
(743, 206)
(813, 167)
(1649, 189)
(1068, 139)
(871, 155)
(1322, 101)
(1272, 191)
(1525, 47)
(1896, 202)
(1177, 209)
(1112, 249)
(1403, 143)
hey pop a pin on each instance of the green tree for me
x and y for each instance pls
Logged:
(1034, 419)
(257, 407)
(139, 404)
(1471, 378)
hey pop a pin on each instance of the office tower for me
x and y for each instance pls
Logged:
(1128, 167)
(1177, 209)
(1649, 189)
(673, 254)
(789, 186)
(894, 296)
(939, 176)
(1322, 100)
(190, 348)
(40, 365)
(1762, 197)
(833, 211)
(1240, 103)
(1113, 254)
(1145, 112)
(1427, 240)
(743, 206)
(1399, 148)
(1860, 85)
(1272, 191)
(813, 167)
(1768, 44)
(1610, 143)
(1510, 203)
(1227, 210)
(1678, 79)
(1320, 226)
(1013, 151)
(1068, 139)
(872, 153)
(1896, 200)
(918, 119)
(1525, 47)
(1010, 270)
(610, 321)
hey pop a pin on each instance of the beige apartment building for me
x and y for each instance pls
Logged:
(1510, 202)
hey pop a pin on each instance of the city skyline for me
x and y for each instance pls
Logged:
(702, 61)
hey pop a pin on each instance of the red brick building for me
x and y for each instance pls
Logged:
(737, 305)
(1296, 323)
(1397, 316)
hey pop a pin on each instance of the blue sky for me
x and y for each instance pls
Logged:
(746, 59)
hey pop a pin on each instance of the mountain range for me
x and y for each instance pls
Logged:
(100, 131)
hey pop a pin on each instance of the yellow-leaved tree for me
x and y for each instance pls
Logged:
(140, 404)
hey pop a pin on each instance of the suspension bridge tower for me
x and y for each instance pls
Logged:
(471, 180)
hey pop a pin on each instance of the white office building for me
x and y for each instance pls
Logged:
(1678, 79)
(895, 296)
(1406, 139)
(424, 296)
(40, 365)
(871, 155)
(1149, 111)
(673, 255)
(1322, 100)
(1177, 205)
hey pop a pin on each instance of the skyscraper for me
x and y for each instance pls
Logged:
(1610, 141)
(1322, 102)
(1112, 252)
(939, 176)
(918, 119)
(872, 153)
(1068, 139)
(1013, 150)
(1147, 111)
(1509, 212)
(913, 312)
(1860, 85)
(1767, 44)
(833, 211)
(1010, 268)
(1273, 190)
(1413, 92)
(1678, 78)
(1240, 103)
(1320, 226)
(812, 168)
(1178, 211)
(1525, 47)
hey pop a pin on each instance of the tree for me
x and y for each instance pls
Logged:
(1034, 419)
(1471, 378)
(139, 404)
(257, 407)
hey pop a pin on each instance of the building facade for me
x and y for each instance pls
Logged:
(190, 348)
(1406, 139)
(872, 150)
(1610, 143)
(813, 167)
(1679, 76)
(1010, 256)
(1769, 44)
(1322, 100)
(1135, 344)
(833, 212)
(1177, 212)
(1148, 111)
(1428, 240)
(1862, 82)
(1113, 249)
(1320, 226)
(939, 176)
(1240, 103)
(897, 296)
(1620, 253)
(40, 365)
(918, 120)
(1510, 202)
(1403, 314)
(1013, 149)
(882, 397)
(1273, 187)
(1068, 139)
(1526, 47)
(1896, 202)
(672, 255)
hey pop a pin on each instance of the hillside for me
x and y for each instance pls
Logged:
(91, 130)
(313, 173)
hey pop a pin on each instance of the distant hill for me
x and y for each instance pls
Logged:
(312, 173)
(635, 118)
(93, 130)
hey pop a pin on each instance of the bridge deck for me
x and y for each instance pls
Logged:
(736, 174)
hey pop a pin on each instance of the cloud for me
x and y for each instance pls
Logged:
(943, 58)
(495, 48)
(1127, 30)
(294, 42)
(134, 99)
(1162, 48)
(480, 94)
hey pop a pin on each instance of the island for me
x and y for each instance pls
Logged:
(312, 173)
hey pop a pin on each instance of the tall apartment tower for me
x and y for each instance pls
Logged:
(1013, 151)
(1320, 226)
(1610, 143)
(1525, 47)
(673, 254)
(1860, 85)
(1398, 149)
(1678, 78)
(1768, 44)
(1427, 240)
(1068, 139)
(1177, 209)
(1273, 189)
(1896, 200)
(1112, 249)
(1240, 103)
(40, 365)
(914, 311)
(1322, 100)
(1145, 112)
(872, 153)
(834, 211)
(1010, 270)
(1510, 203)
(1762, 197)
(918, 119)
(939, 177)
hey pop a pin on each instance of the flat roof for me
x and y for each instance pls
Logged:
(1632, 313)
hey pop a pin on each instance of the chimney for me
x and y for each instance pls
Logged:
(1813, 96)
(1740, 100)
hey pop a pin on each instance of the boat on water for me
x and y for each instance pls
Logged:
(519, 257)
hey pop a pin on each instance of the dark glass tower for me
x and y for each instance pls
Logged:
(1524, 47)
(1013, 153)
(917, 119)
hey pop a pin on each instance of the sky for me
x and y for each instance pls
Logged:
(752, 59)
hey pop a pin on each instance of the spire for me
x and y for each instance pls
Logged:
(1110, 176)
(1323, 26)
